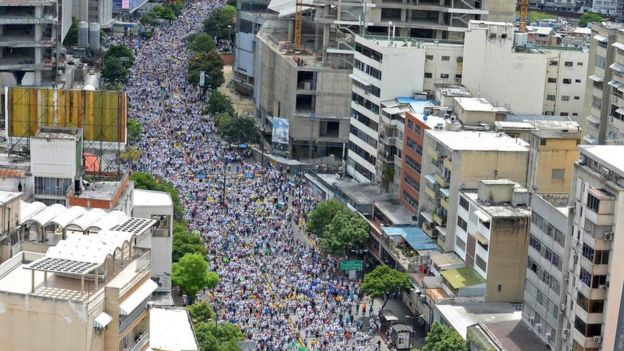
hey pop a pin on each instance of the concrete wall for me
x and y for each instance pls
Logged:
(507, 259)
(501, 10)
(41, 324)
(494, 71)
(557, 154)
(161, 247)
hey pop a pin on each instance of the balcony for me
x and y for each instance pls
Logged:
(430, 192)
(439, 220)
(441, 180)
(427, 229)
(444, 203)
(598, 219)
(139, 344)
(448, 163)
(433, 154)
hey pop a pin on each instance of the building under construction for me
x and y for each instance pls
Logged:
(304, 59)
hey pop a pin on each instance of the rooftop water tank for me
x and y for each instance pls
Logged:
(94, 35)
(83, 34)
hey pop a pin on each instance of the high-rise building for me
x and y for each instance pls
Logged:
(594, 307)
(31, 32)
(604, 103)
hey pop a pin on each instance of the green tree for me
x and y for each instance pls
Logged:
(201, 312)
(134, 131)
(345, 231)
(114, 71)
(236, 129)
(164, 12)
(219, 103)
(589, 17)
(149, 19)
(71, 39)
(218, 338)
(443, 338)
(219, 25)
(383, 281)
(201, 42)
(186, 243)
(191, 274)
(322, 215)
(209, 62)
(120, 52)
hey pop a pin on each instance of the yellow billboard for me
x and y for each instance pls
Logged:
(101, 115)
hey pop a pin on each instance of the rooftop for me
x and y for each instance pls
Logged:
(170, 330)
(478, 141)
(500, 210)
(151, 198)
(610, 155)
(413, 236)
(101, 190)
(6, 196)
(461, 316)
(453, 90)
(560, 201)
(462, 277)
(475, 104)
(59, 133)
(394, 212)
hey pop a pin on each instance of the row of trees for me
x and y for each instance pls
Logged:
(338, 229)
(219, 25)
(232, 127)
(165, 12)
(204, 58)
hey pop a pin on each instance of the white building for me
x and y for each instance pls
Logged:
(594, 307)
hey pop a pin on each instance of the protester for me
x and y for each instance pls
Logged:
(281, 291)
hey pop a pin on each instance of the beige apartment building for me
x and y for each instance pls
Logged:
(454, 161)
(89, 292)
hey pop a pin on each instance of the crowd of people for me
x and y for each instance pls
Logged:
(280, 290)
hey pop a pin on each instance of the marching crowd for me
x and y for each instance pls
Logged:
(282, 292)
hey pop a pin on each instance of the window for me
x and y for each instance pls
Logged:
(362, 136)
(464, 203)
(579, 63)
(414, 146)
(567, 81)
(374, 108)
(462, 224)
(362, 153)
(552, 80)
(565, 98)
(569, 63)
(577, 81)
(461, 244)
(412, 164)
(417, 130)
(429, 57)
(535, 243)
(162, 225)
(364, 120)
(587, 330)
(577, 98)
(446, 58)
(368, 52)
(550, 97)
(553, 63)
(481, 263)
(458, 76)
(558, 174)
(444, 75)
(592, 202)
(428, 75)
(411, 182)
(564, 114)
(410, 200)
(600, 61)
(52, 186)
(591, 306)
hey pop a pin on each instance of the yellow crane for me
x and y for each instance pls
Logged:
(298, 20)
(524, 15)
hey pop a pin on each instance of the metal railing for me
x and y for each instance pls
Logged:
(139, 343)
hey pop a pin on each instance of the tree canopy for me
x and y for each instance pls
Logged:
(237, 129)
(201, 42)
(134, 131)
(122, 53)
(345, 231)
(383, 281)
(191, 274)
(218, 338)
(219, 103)
(114, 71)
(219, 24)
(201, 312)
(209, 62)
(443, 338)
(71, 38)
(589, 17)
(322, 215)
(185, 242)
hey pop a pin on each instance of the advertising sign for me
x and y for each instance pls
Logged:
(279, 139)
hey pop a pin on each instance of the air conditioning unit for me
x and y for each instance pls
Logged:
(608, 236)
(597, 339)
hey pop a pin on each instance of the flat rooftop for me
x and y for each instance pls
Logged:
(473, 104)
(101, 190)
(478, 141)
(461, 316)
(394, 212)
(170, 329)
(453, 90)
(501, 211)
(610, 155)
(151, 198)
(560, 201)
(6, 196)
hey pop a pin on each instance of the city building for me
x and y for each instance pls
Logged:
(171, 330)
(458, 160)
(123, 7)
(89, 292)
(594, 305)
(9, 224)
(604, 107)
(250, 16)
(546, 268)
(500, 66)
(98, 11)
(491, 236)
(32, 32)
(613, 8)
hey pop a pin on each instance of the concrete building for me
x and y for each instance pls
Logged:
(536, 80)
(604, 104)
(32, 32)
(250, 16)
(96, 11)
(594, 308)
(492, 226)
(612, 8)
(89, 292)
(459, 160)
(548, 254)
(9, 221)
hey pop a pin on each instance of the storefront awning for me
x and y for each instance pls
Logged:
(102, 320)
(141, 294)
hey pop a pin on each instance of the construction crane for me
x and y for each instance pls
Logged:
(299, 19)
(524, 15)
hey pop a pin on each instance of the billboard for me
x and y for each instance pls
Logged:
(102, 115)
(279, 137)
(127, 5)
